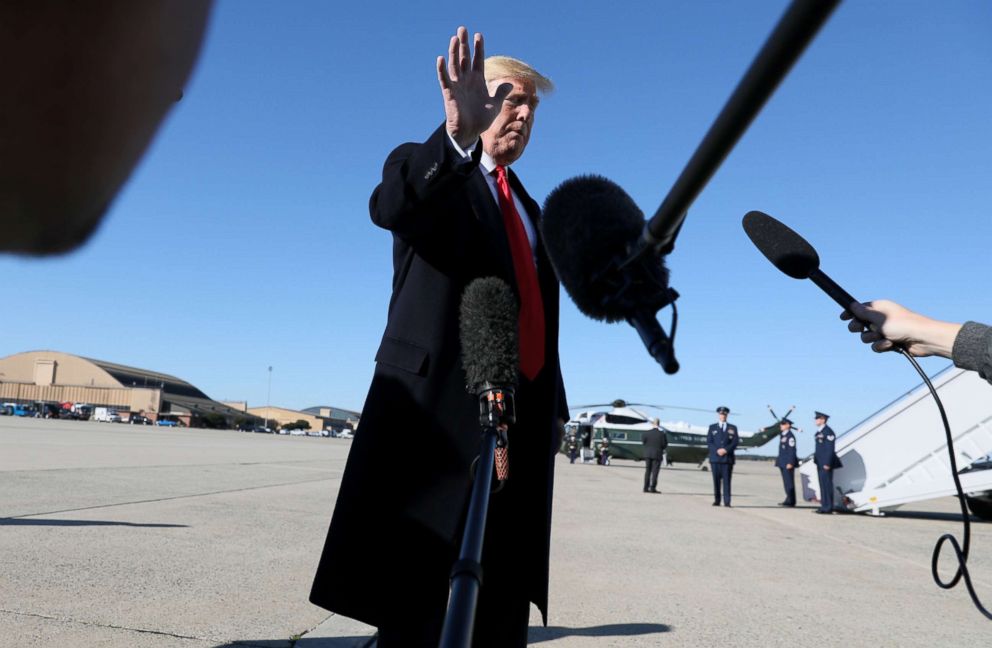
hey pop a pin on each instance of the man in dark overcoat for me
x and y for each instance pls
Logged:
(787, 461)
(826, 462)
(397, 523)
(654, 442)
(722, 439)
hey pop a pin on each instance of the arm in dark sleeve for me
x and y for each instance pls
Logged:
(562, 399)
(973, 349)
(416, 180)
(828, 451)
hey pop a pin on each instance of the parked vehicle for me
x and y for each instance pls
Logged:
(17, 409)
(140, 419)
(347, 434)
(43, 409)
(75, 411)
(106, 415)
(167, 423)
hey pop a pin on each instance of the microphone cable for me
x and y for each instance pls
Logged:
(960, 552)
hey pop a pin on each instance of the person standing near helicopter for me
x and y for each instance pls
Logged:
(787, 461)
(573, 448)
(722, 439)
(654, 451)
(826, 462)
(604, 451)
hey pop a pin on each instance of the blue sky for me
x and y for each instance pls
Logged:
(243, 240)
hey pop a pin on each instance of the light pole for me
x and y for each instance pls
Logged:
(268, 399)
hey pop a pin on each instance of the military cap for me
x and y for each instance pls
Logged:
(723, 409)
(784, 421)
(820, 415)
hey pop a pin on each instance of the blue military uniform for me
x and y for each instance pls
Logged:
(722, 435)
(824, 456)
(787, 456)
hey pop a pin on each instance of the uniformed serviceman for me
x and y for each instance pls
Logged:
(604, 451)
(787, 461)
(826, 462)
(573, 448)
(654, 442)
(722, 439)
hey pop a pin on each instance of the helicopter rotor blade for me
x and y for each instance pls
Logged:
(590, 406)
(652, 405)
(676, 407)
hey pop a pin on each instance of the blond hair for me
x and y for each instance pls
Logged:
(505, 67)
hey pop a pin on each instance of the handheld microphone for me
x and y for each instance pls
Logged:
(488, 333)
(792, 254)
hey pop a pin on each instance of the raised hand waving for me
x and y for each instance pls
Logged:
(468, 107)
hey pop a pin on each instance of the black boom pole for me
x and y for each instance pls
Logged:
(797, 27)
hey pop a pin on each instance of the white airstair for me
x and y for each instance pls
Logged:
(899, 454)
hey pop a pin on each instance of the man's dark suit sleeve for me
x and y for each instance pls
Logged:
(414, 177)
(562, 400)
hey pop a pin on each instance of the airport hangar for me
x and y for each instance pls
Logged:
(56, 377)
(320, 417)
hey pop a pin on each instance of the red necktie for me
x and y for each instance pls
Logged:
(531, 321)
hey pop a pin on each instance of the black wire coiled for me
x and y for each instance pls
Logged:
(959, 552)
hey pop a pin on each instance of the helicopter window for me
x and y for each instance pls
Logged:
(618, 419)
(617, 435)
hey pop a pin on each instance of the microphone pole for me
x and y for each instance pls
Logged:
(795, 30)
(488, 335)
(496, 408)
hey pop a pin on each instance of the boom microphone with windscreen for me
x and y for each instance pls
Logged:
(588, 222)
(593, 234)
(608, 258)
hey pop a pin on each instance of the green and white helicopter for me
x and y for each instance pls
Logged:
(624, 425)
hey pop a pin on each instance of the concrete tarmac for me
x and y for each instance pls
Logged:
(115, 535)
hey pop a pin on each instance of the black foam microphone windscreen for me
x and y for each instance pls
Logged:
(488, 332)
(792, 254)
(588, 223)
(789, 252)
